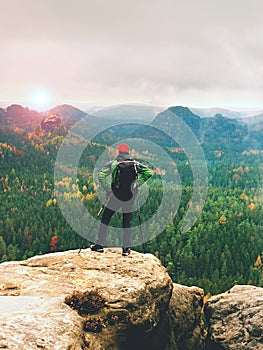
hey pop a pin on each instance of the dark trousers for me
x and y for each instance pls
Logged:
(112, 206)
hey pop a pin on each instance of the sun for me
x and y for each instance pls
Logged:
(40, 100)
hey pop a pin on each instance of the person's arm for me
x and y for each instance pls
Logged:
(144, 171)
(103, 174)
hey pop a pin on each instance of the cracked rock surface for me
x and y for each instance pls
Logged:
(33, 314)
(235, 319)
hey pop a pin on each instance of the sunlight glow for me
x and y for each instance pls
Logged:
(39, 100)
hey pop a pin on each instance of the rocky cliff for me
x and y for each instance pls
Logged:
(235, 319)
(97, 301)
(93, 301)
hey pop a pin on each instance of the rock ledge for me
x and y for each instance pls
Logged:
(34, 315)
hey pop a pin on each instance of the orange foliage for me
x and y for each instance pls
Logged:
(206, 297)
(53, 243)
(159, 171)
(236, 177)
(252, 206)
(19, 153)
(177, 149)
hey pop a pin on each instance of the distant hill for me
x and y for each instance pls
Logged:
(214, 131)
(66, 111)
(217, 132)
(2, 116)
(18, 115)
(227, 132)
(255, 122)
(210, 112)
(235, 114)
(130, 113)
(167, 120)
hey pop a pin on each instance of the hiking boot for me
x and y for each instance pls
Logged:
(126, 251)
(97, 248)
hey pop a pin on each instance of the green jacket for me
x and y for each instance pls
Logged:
(110, 169)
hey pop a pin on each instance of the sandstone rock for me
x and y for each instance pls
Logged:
(185, 315)
(33, 314)
(235, 319)
(51, 122)
(31, 322)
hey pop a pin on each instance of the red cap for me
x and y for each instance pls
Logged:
(123, 148)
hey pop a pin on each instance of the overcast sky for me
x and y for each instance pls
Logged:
(102, 52)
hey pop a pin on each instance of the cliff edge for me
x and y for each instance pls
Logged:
(97, 301)
(235, 319)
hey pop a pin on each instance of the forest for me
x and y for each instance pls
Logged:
(223, 247)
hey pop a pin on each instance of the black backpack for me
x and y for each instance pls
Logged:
(124, 183)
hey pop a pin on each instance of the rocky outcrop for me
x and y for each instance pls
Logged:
(51, 122)
(17, 114)
(93, 301)
(185, 316)
(129, 297)
(235, 319)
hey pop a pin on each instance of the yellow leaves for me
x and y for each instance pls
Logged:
(51, 201)
(6, 179)
(243, 197)
(218, 153)
(72, 190)
(65, 182)
(241, 170)
(89, 196)
(253, 151)
(74, 187)
(222, 220)
(73, 195)
(258, 263)
(7, 149)
(40, 148)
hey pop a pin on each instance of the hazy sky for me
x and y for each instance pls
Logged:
(102, 52)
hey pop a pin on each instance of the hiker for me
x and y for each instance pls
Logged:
(123, 171)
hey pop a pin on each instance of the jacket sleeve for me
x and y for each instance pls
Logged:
(103, 174)
(144, 172)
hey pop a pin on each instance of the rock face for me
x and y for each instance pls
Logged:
(185, 316)
(235, 319)
(51, 122)
(136, 290)
(129, 303)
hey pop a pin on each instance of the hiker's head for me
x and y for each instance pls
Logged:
(123, 148)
